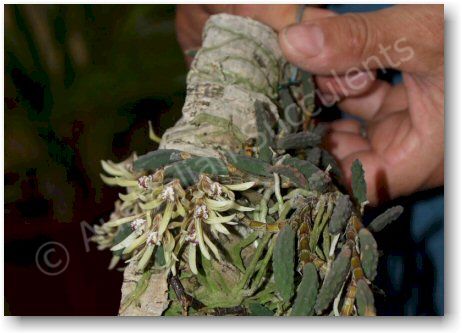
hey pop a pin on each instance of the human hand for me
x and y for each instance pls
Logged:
(403, 151)
(190, 19)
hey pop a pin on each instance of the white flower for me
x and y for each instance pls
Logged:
(216, 189)
(153, 238)
(145, 182)
(201, 212)
(168, 194)
(138, 225)
(191, 237)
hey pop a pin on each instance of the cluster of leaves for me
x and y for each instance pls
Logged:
(293, 243)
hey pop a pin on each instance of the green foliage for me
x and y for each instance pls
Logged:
(252, 233)
(364, 299)
(299, 140)
(305, 167)
(334, 280)
(260, 310)
(306, 292)
(324, 213)
(382, 221)
(358, 183)
(283, 263)
(188, 170)
(369, 253)
(235, 252)
(341, 214)
(159, 256)
(319, 181)
(156, 159)
(292, 173)
(249, 165)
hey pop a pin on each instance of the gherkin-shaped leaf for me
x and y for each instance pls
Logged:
(341, 214)
(319, 181)
(288, 104)
(156, 159)
(299, 140)
(283, 263)
(248, 164)
(334, 279)
(306, 292)
(369, 253)
(364, 299)
(358, 183)
(305, 167)
(389, 216)
(260, 310)
(313, 155)
(187, 170)
(292, 173)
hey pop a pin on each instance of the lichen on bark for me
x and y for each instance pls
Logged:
(240, 63)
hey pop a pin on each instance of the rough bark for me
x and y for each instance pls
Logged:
(154, 299)
(240, 62)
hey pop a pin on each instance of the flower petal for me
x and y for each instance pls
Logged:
(192, 258)
(165, 218)
(110, 168)
(240, 186)
(151, 205)
(200, 237)
(180, 209)
(124, 243)
(220, 219)
(242, 208)
(135, 244)
(220, 228)
(121, 221)
(118, 181)
(128, 197)
(212, 247)
(146, 257)
(223, 205)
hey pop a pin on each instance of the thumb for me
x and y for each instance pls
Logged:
(361, 41)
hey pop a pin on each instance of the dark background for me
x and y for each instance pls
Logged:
(81, 82)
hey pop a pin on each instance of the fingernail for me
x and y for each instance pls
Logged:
(307, 39)
(358, 76)
(357, 79)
